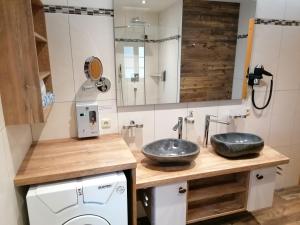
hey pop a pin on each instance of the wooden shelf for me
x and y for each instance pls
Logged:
(215, 191)
(39, 38)
(44, 74)
(214, 210)
(217, 196)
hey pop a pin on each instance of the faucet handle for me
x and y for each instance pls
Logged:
(190, 118)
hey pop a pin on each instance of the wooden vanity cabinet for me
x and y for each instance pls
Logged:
(208, 198)
(24, 61)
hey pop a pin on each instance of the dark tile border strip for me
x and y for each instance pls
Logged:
(277, 22)
(175, 37)
(78, 10)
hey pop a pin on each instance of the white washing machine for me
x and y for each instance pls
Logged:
(100, 200)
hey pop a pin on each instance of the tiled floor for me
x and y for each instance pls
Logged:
(285, 211)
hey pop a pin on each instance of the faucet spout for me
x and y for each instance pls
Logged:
(175, 127)
(207, 124)
(178, 126)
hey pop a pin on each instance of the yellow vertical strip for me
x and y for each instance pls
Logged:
(248, 56)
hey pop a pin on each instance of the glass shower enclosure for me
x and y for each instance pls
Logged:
(146, 63)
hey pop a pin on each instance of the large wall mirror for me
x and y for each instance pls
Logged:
(171, 51)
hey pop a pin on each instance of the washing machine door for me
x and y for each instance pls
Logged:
(87, 220)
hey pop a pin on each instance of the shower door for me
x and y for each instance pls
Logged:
(130, 65)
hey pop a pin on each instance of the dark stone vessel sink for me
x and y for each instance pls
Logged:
(233, 145)
(171, 151)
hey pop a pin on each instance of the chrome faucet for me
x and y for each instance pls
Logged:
(178, 126)
(207, 123)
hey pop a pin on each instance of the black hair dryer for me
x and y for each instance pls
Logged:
(254, 79)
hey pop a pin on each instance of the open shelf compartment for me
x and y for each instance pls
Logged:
(217, 196)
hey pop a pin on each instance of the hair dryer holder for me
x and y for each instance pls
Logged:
(254, 79)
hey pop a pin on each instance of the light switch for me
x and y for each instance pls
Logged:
(105, 123)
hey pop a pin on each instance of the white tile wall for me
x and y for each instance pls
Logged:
(136, 138)
(166, 117)
(270, 9)
(266, 49)
(55, 2)
(292, 10)
(288, 178)
(61, 123)
(195, 132)
(60, 56)
(92, 36)
(14, 143)
(289, 66)
(104, 4)
(281, 119)
(258, 121)
(296, 124)
(17, 140)
(108, 110)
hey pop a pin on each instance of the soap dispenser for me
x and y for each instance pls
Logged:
(87, 119)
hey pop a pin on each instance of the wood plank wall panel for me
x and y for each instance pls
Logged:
(209, 36)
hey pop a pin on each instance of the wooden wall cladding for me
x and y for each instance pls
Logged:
(209, 37)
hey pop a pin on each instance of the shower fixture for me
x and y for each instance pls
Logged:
(137, 20)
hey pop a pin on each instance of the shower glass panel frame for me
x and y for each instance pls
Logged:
(130, 63)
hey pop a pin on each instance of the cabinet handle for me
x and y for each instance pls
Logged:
(182, 190)
(259, 177)
(278, 167)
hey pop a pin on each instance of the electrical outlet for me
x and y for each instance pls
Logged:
(105, 123)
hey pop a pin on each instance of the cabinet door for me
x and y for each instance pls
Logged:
(168, 204)
(261, 188)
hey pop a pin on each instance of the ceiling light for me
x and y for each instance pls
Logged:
(144, 2)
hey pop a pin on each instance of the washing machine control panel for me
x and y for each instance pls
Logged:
(92, 200)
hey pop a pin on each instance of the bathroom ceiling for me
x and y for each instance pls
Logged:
(150, 5)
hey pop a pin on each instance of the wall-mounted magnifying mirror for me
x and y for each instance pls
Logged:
(175, 51)
(93, 68)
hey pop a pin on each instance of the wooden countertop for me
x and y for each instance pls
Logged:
(71, 158)
(207, 164)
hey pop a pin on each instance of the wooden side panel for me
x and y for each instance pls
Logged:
(34, 94)
(248, 56)
(42, 57)
(132, 196)
(16, 45)
(209, 39)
